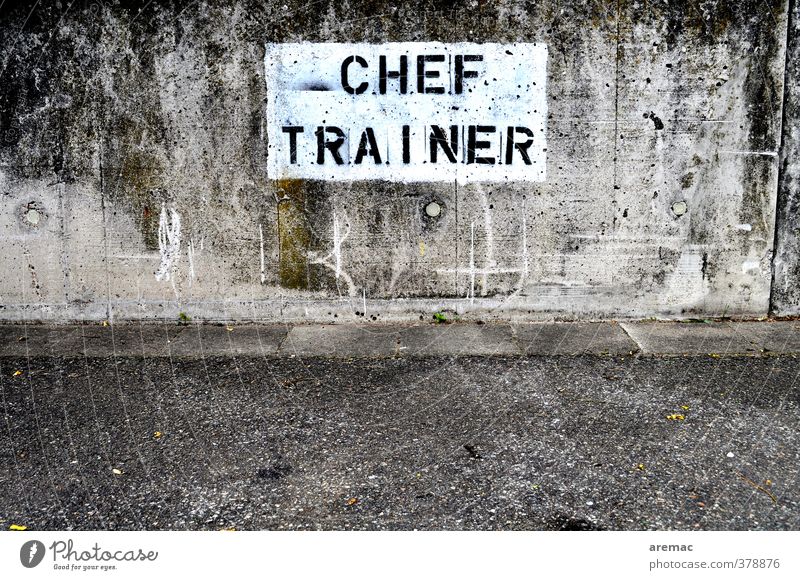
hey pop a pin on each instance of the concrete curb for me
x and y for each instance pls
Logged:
(422, 340)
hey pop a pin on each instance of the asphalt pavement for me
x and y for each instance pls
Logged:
(629, 426)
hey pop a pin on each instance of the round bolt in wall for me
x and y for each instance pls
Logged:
(32, 216)
(679, 208)
(433, 209)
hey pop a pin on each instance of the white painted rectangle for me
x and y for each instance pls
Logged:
(330, 93)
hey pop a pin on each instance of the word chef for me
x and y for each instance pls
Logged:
(427, 69)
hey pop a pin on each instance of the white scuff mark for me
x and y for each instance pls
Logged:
(134, 257)
(524, 271)
(744, 227)
(687, 283)
(766, 153)
(525, 266)
(337, 245)
(364, 298)
(471, 290)
(750, 265)
(336, 253)
(785, 272)
(700, 120)
(169, 243)
(473, 271)
(261, 242)
(478, 271)
(622, 239)
(190, 254)
(488, 239)
(400, 257)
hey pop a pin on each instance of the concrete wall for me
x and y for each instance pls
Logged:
(786, 267)
(119, 124)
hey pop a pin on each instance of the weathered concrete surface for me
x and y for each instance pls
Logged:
(716, 338)
(121, 123)
(168, 340)
(426, 443)
(786, 266)
(573, 338)
(382, 341)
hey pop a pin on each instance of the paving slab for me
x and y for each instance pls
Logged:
(342, 341)
(458, 340)
(88, 339)
(149, 340)
(694, 338)
(774, 336)
(227, 340)
(38, 340)
(400, 340)
(571, 338)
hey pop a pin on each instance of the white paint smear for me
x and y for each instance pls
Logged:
(418, 111)
(169, 242)
(190, 254)
(750, 265)
(261, 242)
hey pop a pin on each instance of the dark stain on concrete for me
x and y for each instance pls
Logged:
(294, 234)
(657, 122)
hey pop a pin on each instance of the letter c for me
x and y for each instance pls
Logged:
(345, 83)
